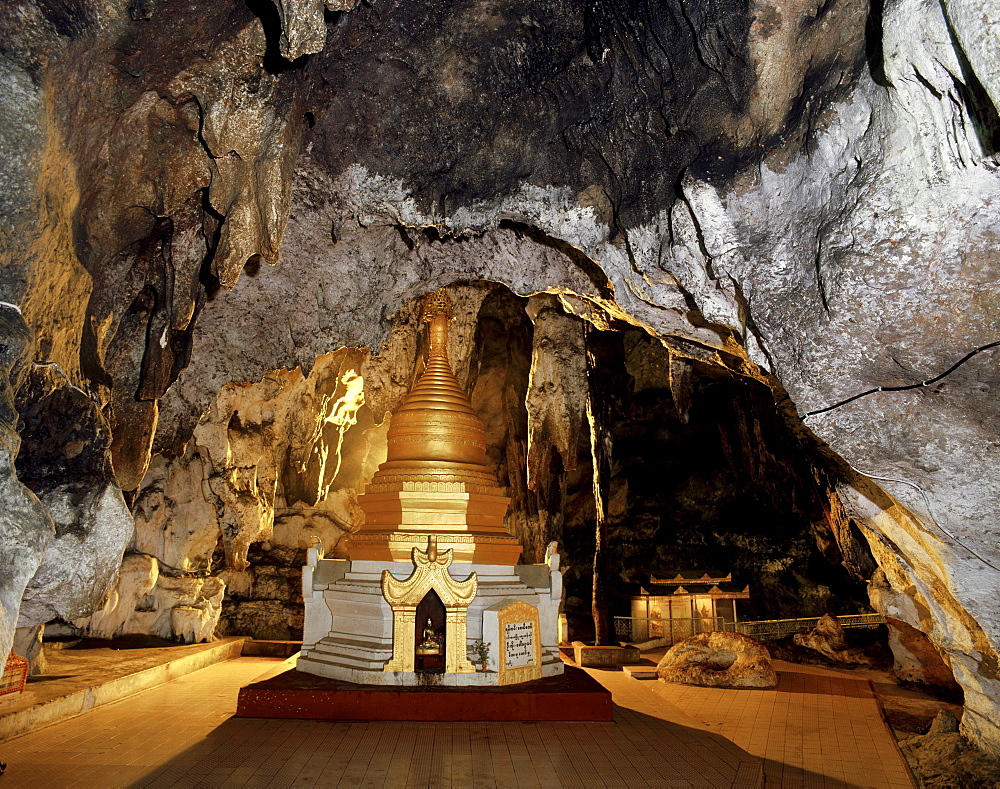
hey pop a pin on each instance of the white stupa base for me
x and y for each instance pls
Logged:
(316, 665)
(348, 623)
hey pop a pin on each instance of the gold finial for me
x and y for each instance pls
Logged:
(437, 303)
(437, 312)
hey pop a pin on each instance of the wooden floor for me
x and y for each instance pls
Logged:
(182, 735)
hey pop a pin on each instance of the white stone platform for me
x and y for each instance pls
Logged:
(80, 680)
(348, 632)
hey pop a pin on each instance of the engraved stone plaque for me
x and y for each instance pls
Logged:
(520, 652)
(519, 643)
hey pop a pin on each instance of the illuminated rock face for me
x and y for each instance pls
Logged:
(745, 182)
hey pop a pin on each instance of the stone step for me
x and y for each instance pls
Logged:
(640, 671)
(254, 647)
(588, 656)
(49, 700)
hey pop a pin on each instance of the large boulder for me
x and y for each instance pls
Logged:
(25, 525)
(718, 660)
(828, 638)
(945, 758)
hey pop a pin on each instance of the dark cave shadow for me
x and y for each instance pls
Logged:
(858, 688)
(126, 643)
(772, 770)
(666, 747)
(644, 737)
(775, 773)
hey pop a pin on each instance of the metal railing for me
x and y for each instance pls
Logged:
(640, 629)
(770, 629)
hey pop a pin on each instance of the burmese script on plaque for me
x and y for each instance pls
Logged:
(519, 643)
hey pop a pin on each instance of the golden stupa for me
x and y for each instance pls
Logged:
(436, 480)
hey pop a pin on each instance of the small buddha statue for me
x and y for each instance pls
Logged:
(430, 644)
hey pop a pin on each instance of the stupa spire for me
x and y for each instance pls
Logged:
(436, 478)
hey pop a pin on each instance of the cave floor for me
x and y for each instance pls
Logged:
(819, 728)
(907, 709)
(80, 678)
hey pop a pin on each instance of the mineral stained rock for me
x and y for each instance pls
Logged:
(916, 659)
(81, 562)
(718, 660)
(26, 529)
(303, 24)
(28, 644)
(25, 526)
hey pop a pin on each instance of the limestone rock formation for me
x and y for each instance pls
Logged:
(28, 644)
(303, 24)
(132, 592)
(797, 199)
(25, 526)
(718, 660)
(81, 562)
(943, 758)
(828, 638)
(145, 601)
(917, 660)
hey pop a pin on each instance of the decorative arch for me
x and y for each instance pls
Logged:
(430, 571)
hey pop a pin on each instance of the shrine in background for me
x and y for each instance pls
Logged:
(695, 604)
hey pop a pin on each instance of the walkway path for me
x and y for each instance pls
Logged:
(816, 721)
(181, 734)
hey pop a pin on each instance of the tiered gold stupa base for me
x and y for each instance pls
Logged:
(436, 479)
(461, 505)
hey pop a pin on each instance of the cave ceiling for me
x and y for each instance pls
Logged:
(196, 196)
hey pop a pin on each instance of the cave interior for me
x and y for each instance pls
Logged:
(725, 286)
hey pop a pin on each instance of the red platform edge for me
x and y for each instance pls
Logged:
(573, 696)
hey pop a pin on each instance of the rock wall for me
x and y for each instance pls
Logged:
(25, 526)
(792, 194)
(884, 255)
